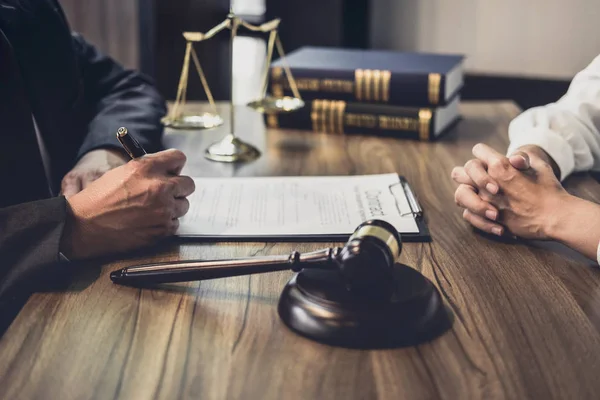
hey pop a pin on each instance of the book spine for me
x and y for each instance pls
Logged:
(361, 85)
(339, 117)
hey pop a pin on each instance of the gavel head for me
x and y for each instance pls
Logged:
(366, 261)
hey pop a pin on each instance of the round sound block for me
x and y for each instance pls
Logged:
(317, 305)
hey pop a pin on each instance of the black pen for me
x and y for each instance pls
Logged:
(131, 146)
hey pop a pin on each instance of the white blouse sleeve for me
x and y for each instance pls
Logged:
(569, 129)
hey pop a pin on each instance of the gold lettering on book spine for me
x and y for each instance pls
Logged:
(347, 86)
(377, 85)
(424, 124)
(304, 84)
(320, 106)
(368, 84)
(329, 121)
(324, 114)
(335, 112)
(388, 122)
(314, 114)
(331, 117)
(434, 88)
(340, 121)
(327, 116)
(386, 78)
(372, 85)
(336, 86)
(358, 83)
(361, 120)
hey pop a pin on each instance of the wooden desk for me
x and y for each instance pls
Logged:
(527, 315)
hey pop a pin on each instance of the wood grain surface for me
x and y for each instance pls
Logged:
(527, 315)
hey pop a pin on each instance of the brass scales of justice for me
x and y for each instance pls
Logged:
(231, 148)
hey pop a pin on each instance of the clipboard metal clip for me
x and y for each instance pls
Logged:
(413, 202)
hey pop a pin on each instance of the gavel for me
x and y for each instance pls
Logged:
(365, 262)
(354, 296)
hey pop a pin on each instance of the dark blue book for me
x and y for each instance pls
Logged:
(370, 76)
(341, 117)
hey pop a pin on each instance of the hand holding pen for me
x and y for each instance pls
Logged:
(95, 163)
(129, 207)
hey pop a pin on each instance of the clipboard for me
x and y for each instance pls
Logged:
(417, 212)
(400, 192)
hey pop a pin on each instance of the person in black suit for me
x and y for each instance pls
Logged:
(68, 191)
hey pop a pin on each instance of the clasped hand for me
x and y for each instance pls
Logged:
(517, 195)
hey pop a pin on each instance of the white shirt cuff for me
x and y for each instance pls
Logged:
(598, 254)
(554, 144)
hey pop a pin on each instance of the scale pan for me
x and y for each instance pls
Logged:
(271, 104)
(189, 121)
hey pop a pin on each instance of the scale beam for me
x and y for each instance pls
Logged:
(231, 148)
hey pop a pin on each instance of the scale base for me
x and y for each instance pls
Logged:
(231, 149)
(316, 305)
(272, 105)
(201, 121)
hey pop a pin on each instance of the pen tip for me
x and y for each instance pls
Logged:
(122, 132)
(116, 275)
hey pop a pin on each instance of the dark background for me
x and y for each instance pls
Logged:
(148, 37)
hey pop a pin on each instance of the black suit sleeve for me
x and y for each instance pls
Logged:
(117, 97)
(30, 235)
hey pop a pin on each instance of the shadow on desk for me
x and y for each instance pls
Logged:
(77, 277)
(210, 293)
(547, 246)
(67, 278)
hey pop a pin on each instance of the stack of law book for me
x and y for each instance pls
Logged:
(375, 92)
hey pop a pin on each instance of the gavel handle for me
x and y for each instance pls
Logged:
(196, 270)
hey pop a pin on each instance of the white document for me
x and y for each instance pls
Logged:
(295, 206)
